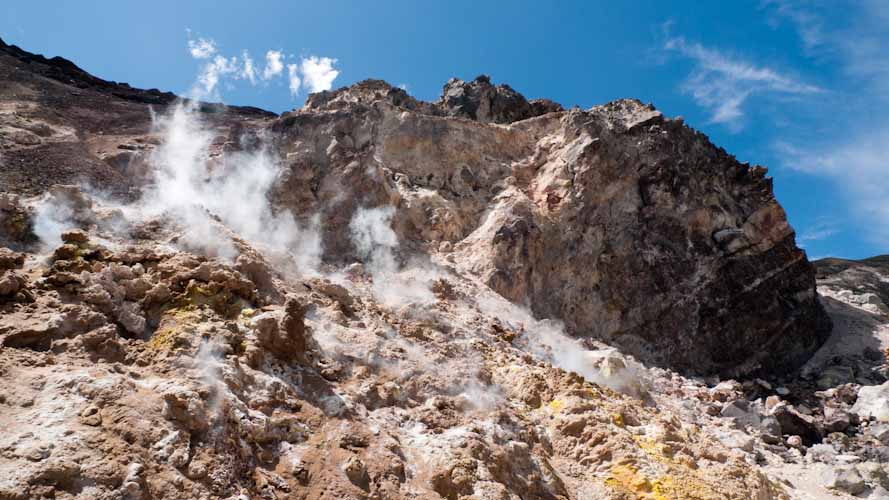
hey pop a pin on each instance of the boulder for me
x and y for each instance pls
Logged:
(481, 100)
(873, 402)
(836, 419)
(795, 423)
(845, 479)
(283, 332)
(10, 259)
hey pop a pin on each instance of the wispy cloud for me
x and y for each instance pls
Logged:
(809, 25)
(860, 167)
(722, 84)
(208, 80)
(273, 64)
(249, 71)
(823, 228)
(202, 48)
(293, 79)
(318, 73)
(852, 146)
(312, 73)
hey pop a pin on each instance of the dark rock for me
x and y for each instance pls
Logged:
(795, 423)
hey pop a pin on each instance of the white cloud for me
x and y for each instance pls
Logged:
(273, 64)
(210, 74)
(860, 167)
(722, 84)
(249, 70)
(809, 25)
(312, 73)
(293, 78)
(850, 148)
(318, 73)
(202, 48)
(823, 228)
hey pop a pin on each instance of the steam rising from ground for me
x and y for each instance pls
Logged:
(546, 339)
(209, 198)
(376, 243)
(192, 188)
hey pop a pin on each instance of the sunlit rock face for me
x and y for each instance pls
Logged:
(628, 226)
(375, 297)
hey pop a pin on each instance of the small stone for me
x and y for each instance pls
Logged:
(356, 471)
(712, 409)
(782, 391)
(772, 402)
(10, 259)
(736, 440)
(822, 452)
(873, 401)
(91, 416)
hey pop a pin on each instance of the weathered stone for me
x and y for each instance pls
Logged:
(836, 420)
(795, 423)
(873, 402)
(283, 332)
(845, 479)
(10, 259)
(75, 236)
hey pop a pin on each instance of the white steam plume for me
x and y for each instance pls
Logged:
(546, 340)
(202, 48)
(376, 243)
(249, 70)
(208, 79)
(234, 189)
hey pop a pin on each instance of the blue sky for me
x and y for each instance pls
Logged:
(800, 87)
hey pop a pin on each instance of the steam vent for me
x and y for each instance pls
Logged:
(377, 297)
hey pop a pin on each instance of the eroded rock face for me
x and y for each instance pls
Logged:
(616, 220)
(138, 363)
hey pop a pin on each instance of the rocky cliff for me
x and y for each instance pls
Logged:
(378, 297)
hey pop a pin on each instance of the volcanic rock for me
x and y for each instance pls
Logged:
(483, 296)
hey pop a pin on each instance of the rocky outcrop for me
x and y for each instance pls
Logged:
(482, 101)
(616, 220)
(627, 226)
(411, 303)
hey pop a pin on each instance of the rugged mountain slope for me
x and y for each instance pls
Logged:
(377, 297)
(616, 220)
